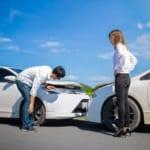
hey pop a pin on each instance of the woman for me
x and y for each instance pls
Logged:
(124, 62)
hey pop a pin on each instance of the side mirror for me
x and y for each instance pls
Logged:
(11, 79)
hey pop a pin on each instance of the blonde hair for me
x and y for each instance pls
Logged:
(117, 37)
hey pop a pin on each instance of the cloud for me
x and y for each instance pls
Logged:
(101, 78)
(50, 44)
(37, 41)
(13, 47)
(141, 46)
(142, 26)
(7, 44)
(17, 49)
(71, 77)
(105, 56)
(13, 14)
(5, 40)
(148, 24)
(59, 50)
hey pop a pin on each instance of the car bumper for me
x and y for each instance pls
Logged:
(52, 115)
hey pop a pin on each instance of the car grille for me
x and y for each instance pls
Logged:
(82, 107)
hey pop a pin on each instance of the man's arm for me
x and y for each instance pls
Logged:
(32, 102)
(33, 91)
(35, 86)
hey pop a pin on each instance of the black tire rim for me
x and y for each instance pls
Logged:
(113, 114)
(38, 112)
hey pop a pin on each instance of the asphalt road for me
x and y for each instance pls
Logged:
(69, 135)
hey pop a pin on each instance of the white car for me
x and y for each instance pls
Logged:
(103, 107)
(67, 101)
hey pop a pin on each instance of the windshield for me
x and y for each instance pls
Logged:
(16, 70)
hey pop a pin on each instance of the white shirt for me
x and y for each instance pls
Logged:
(124, 60)
(34, 77)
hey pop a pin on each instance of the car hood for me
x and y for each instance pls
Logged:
(65, 84)
(99, 86)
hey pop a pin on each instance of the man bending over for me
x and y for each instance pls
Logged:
(28, 83)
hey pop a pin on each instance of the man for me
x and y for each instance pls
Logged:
(28, 83)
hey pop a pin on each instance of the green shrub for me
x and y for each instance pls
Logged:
(88, 90)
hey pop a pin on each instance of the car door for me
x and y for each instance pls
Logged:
(9, 95)
(49, 97)
(146, 78)
(148, 90)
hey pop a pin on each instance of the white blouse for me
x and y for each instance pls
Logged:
(124, 60)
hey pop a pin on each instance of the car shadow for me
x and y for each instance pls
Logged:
(143, 129)
(94, 127)
(81, 124)
(11, 122)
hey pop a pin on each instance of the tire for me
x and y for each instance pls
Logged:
(110, 113)
(39, 114)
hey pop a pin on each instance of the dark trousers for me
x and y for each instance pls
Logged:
(122, 83)
(27, 120)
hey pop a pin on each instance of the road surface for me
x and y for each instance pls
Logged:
(69, 135)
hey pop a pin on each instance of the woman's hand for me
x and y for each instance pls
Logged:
(115, 73)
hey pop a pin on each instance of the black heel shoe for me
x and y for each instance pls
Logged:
(120, 133)
(128, 130)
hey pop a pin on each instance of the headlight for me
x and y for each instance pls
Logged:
(71, 91)
(94, 95)
(65, 90)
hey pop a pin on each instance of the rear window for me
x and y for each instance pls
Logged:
(17, 70)
(3, 73)
(146, 77)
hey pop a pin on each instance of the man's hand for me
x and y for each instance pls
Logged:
(31, 108)
(31, 105)
(50, 87)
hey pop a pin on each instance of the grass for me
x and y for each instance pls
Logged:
(88, 90)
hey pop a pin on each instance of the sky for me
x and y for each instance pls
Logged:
(74, 34)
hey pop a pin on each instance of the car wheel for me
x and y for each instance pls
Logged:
(110, 113)
(39, 114)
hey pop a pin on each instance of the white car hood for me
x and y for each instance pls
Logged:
(67, 84)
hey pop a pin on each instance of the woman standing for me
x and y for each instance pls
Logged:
(124, 62)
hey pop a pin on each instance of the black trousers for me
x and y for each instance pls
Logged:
(122, 83)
